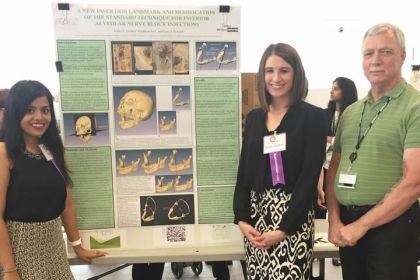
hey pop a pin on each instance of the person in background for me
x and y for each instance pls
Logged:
(282, 153)
(146, 271)
(35, 192)
(154, 271)
(343, 93)
(373, 181)
(4, 92)
(220, 270)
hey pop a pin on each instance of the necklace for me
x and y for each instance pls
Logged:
(33, 156)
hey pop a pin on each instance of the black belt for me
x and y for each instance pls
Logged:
(356, 208)
(351, 213)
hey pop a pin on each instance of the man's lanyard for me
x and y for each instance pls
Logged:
(360, 137)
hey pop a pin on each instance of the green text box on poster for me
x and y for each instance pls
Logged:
(83, 80)
(215, 205)
(217, 130)
(92, 186)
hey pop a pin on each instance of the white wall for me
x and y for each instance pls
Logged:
(27, 45)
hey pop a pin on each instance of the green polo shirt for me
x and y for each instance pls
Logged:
(379, 159)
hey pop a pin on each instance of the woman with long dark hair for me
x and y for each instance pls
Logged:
(343, 93)
(35, 193)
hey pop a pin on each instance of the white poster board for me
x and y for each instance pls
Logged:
(151, 122)
(415, 76)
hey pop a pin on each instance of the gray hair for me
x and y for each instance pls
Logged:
(385, 27)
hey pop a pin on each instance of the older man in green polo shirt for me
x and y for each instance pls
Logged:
(373, 183)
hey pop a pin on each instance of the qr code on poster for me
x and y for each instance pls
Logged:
(176, 234)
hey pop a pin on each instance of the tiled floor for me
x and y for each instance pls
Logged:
(83, 272)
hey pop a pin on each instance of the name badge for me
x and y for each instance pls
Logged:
(347, 180)
(274, 143)
(46, 152)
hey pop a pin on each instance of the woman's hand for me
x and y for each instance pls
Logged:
(320, 189)
(270, 238)
(250, 233)
(321, 199)
(261, 240)
(88, 255)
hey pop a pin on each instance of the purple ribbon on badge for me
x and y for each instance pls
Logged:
(276, 164)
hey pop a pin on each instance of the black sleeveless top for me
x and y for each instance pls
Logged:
(36, 191)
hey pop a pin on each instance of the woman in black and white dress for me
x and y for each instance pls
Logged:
(282, 154)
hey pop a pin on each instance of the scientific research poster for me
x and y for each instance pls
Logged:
(150, 97)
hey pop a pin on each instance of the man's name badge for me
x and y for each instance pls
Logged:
(347, 180)
(274, 143)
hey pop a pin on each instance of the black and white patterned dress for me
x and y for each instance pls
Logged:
(39, 250)
(36, 197)
(267, 206)
(290, 259)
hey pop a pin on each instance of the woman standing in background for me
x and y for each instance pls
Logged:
(343, 93)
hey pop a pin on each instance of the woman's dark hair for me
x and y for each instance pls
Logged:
(21, 96)
(348, 94)
(300, 83)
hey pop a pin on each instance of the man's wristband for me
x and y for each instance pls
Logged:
(10, 270)
(76, 242)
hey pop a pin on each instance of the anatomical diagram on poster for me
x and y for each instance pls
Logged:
(150, 103)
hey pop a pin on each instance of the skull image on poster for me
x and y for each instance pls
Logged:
(84, 127)
(135, 106)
